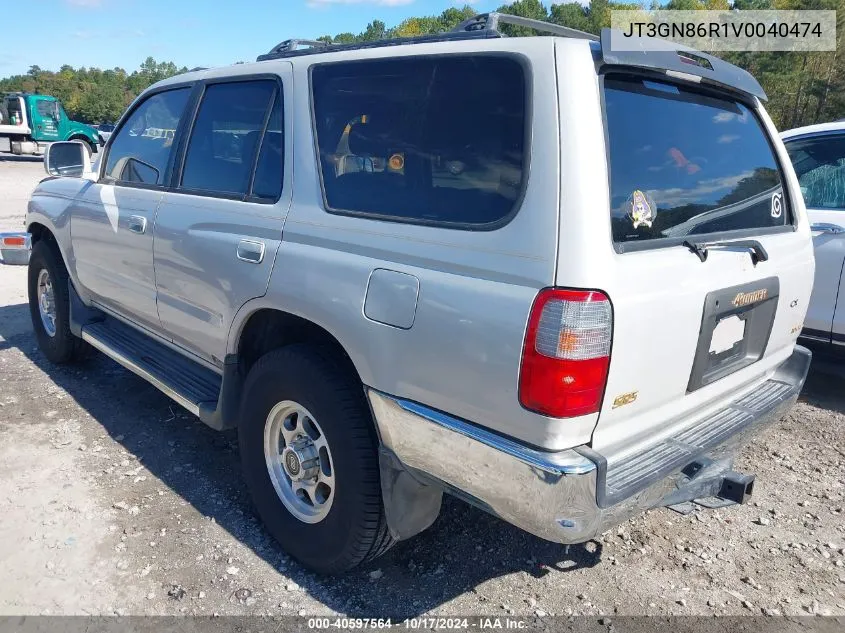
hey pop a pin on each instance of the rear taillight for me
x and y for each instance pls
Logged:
(567, 353)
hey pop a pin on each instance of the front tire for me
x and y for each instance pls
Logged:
(49, 306)
(300, 405)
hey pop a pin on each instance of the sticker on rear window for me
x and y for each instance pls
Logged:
(641, 209)
(777, 205)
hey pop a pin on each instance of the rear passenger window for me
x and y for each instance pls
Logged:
(226, 137)
(423, 140)
(141, 150)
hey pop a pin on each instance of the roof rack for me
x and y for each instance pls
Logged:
(288, 46)
(480, 27)
(398, 41)
(491, 22)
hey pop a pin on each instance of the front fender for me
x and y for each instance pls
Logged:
(51, 207)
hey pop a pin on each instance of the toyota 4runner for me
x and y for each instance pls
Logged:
(561, 282)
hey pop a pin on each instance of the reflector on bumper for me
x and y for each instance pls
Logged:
(15, 248)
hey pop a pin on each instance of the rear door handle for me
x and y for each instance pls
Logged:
(137, 224)
(250, 251)
(826, 227)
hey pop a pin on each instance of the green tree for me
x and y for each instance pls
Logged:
(533, 9)
(803, 88)
(572, 15)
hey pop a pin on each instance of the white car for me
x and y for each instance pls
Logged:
(818, 154)
(104, 131)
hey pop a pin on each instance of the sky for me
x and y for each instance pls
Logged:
(112, 33)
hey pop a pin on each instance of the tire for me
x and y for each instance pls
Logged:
(60, 346)
(88, 144)
(354, 530)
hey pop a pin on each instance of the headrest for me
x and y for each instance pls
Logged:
(373, 138)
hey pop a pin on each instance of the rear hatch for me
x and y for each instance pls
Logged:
(706, 262)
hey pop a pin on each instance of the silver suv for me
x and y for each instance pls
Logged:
(561, 282)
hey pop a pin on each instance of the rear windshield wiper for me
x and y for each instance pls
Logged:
(753, 247)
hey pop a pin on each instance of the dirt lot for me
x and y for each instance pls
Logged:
(115, 500)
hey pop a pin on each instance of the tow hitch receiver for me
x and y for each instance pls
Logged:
(736, 487)
(718, 490)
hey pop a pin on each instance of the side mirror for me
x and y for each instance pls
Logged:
(68, 158)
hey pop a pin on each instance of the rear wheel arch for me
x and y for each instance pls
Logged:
(267, 329)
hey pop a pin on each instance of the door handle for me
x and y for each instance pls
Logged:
(137, 224)
(826, 227)
(250, 251)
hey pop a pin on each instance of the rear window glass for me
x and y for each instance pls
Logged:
(424, 139)
(820, 165)
(684, 163)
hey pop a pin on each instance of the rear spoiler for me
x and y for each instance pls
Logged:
(678, 61)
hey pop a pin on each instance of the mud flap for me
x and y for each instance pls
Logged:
(410, 505)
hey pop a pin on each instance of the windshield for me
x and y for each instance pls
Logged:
(685, 163)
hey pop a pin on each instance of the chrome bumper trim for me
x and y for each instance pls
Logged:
(561, 463)
(556, 495)
(15, 254)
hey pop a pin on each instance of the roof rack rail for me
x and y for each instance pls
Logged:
(491, 22)
(480, 27)
(280, 52)
(289, 46)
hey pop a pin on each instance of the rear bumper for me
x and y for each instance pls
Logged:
(15, 248)
(572, 496)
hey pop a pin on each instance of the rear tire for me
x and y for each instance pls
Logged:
(353, 528)
(49, 297)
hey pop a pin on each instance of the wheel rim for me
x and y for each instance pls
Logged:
(46, 302)
(299, 461)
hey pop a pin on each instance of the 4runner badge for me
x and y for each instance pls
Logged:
(641, 209)
(747, 298)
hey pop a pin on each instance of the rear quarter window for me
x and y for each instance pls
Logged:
(424, 140)
(684, 163)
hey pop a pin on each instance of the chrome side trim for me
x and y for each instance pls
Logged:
(559, 463)
(129, 364)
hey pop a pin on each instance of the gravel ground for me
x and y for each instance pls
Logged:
(115, 500)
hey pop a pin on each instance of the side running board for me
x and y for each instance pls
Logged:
(213, 398)
(186, 382)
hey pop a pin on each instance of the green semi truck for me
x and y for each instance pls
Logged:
(29, 123)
